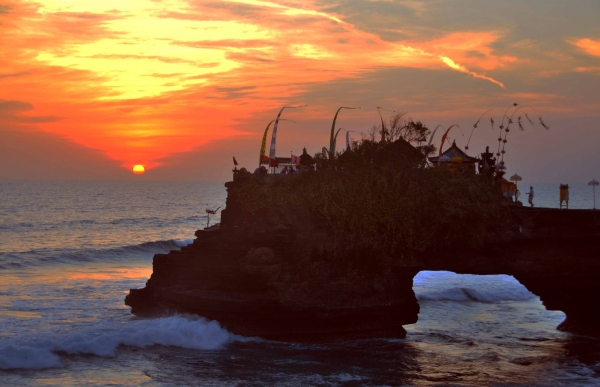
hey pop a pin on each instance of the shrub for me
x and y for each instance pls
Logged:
(386, 197)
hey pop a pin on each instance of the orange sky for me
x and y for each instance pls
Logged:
(181, 86)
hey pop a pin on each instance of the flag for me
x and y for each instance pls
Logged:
(295, 160)
(332, 148)
(274, 135)
(332, 137)
(265, 160)
(235, 162)
(444, 140)
(325, 153)
(274, 163)
(263, 146)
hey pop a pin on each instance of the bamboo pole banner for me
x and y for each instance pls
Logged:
(274, 136)
(332, 150)
(382, 123)
(348, 138)
(263, 146)
(443, 140)
(433, 134)
(475, 127)
(332, 135)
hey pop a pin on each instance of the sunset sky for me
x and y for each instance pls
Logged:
(90, 88)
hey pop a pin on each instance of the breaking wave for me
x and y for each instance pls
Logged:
(448, 286)
(193, 333)
(473, 295)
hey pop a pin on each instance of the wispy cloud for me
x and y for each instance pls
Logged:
(590, 46)
(154, 41)
(141, 79)
(20, 74)
(11, 111)
(463, 69)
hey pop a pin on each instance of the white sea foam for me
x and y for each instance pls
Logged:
(447, 286)
(171, 331)
(467, 294)
(345, 377)
(183, 242)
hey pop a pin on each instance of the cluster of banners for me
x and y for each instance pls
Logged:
(295, 160)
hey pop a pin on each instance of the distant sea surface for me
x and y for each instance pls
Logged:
(70, 252)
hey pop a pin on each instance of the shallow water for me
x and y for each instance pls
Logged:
(69, 253)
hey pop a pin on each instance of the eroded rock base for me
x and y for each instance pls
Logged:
(277, 285)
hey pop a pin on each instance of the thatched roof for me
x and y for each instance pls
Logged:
(453, 152)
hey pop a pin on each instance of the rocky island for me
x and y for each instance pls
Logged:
(331, 254)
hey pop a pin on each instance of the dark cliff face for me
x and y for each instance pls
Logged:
(283, 275)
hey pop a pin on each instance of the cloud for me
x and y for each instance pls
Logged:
(14, 74)
(590, 69)
(235, 92)
(291, 11)
(142, 80)
(10, 112)
(205, 49)
(14, 106)
(229, 43)
(463, 69)
(472, 48)
(590, 46)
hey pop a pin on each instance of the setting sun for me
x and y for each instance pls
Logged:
(138, 169)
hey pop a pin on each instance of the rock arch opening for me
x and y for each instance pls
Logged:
(470, 304)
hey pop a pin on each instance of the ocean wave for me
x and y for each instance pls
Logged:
(47, 225)
(463, 294)
(345, 377)
(11, 226)
(12, 357)
(132, 221)
(54, 256)
(193, 333)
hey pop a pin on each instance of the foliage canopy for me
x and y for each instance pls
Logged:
(388, 200)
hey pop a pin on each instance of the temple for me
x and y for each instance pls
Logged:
(302, 162)
(455, 159)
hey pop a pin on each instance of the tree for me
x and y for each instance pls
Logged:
(413, 132)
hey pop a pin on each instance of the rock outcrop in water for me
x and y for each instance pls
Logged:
(277, 279)
(284, 277)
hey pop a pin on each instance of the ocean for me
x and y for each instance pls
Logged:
(70, 252)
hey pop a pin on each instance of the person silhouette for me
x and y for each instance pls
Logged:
(530, 193)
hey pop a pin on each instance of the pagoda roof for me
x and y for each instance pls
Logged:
(306, 159)
(454, 151)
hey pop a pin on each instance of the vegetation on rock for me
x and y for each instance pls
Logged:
(384, 195)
